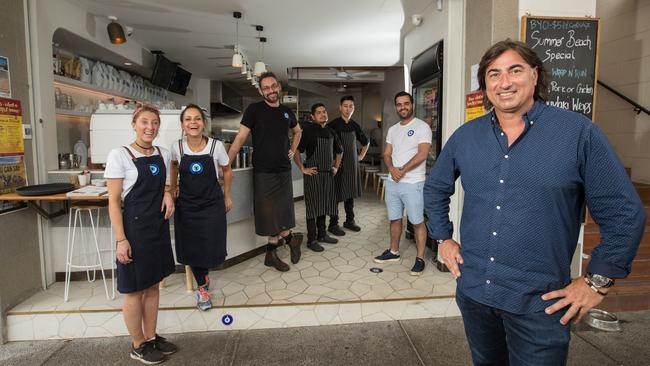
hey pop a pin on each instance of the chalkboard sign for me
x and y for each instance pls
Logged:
(568, 47)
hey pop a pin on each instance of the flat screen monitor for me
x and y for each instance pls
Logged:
(180, 81)
(163, 72)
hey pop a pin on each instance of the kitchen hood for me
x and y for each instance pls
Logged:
(224, 100)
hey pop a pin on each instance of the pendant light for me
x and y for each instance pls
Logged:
(236, 57)
(115, 31)
(244, 67)
(260, 67)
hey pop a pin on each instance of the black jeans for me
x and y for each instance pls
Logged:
(199, 275)
(316, 228)
(349, 213)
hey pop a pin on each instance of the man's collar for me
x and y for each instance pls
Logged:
(532, 114)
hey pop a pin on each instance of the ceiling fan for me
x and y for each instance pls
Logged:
(350, 75)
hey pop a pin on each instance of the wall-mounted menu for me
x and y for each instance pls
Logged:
(568, 47)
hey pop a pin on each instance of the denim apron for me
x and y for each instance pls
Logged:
(200, 218)
(146, 228)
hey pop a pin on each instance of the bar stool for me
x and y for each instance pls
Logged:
(78, 209)
(368, 172)
(381, 186)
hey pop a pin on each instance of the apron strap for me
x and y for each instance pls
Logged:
(214, 144)
(159, 153)
(130, 153)
(180, 147)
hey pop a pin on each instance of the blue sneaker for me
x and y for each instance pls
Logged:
(418, 267)
(203, 301)
(387, 256)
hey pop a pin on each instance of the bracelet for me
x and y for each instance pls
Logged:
(119, 241)
(593, 287)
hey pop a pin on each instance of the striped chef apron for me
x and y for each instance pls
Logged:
(320, 198)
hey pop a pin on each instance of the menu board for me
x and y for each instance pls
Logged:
(568, 47)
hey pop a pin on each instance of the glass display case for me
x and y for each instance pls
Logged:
(428, 105)
(426, 77)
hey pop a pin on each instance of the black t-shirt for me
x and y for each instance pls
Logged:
(270, 128)
(311, 133)
(340, 126)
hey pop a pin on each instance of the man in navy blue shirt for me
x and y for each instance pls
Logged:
(527, 170)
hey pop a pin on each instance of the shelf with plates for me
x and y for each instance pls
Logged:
(89, 88)
(72, 113)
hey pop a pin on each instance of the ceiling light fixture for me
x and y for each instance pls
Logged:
(244, 67)
(248, 75)
(260, 67)
(237, 60)
(115, 31)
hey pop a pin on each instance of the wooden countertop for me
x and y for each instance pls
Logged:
(51, 197)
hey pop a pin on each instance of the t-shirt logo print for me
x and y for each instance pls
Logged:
(196, 168)
(410, 133)
(286, 115)
(154, 169)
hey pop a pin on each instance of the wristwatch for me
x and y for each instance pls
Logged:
(440, 241)
(599, 281)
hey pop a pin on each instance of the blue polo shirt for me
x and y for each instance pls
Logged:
(523, 205)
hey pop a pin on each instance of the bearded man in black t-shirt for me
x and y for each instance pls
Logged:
(270, 123)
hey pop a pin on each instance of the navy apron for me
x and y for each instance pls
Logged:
(200, 217)
(146, 228)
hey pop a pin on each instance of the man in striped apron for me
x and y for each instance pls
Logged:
(323, 152)
(348, 179)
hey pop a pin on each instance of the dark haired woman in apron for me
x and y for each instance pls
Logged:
(136, 175)
(201, 206)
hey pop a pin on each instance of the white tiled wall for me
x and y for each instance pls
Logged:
(624, 64)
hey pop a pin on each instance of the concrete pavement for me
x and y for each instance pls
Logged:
(439, 341)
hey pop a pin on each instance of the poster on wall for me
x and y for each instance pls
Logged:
(5, 81)
(12, 176)
(12, 151)
(474, 105)
(11, 128)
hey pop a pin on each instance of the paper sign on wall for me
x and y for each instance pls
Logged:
(5, 80)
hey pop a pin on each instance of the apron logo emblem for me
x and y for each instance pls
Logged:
(410, 133)
(154, 169)
(286, 115)
(196, 168)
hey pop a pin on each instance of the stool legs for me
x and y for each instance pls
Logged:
(72, 231)
(189, 286)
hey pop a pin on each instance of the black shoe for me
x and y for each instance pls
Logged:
(272, 260)
(418, 267)
(328, 239)
(336, 230)
(147, 354)
(313, 245)
(161, 344)
(352, 226)
(294, 246)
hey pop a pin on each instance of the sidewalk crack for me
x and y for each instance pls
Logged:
(411, 343)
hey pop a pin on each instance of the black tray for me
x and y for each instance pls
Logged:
(45, 189)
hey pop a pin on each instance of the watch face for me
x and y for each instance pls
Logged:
(599, 281)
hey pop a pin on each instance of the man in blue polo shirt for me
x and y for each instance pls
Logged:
(527, 170)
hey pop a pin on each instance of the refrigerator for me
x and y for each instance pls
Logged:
(426, 78)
